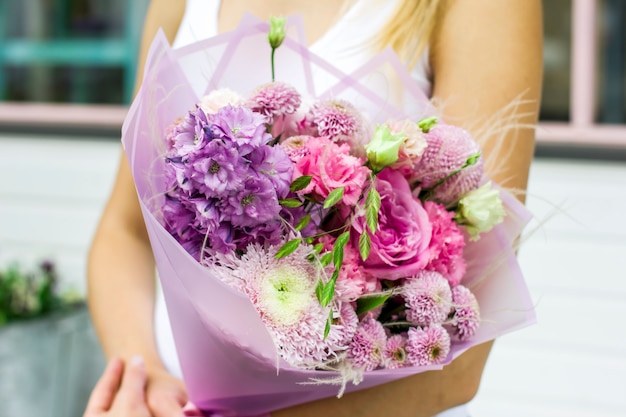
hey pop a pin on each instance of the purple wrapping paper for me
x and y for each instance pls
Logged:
(228, 359)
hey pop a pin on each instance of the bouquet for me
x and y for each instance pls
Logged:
(311, 242)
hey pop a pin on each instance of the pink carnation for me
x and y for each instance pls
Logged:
(466, 318)
(367, 349)
(449, 148)
(275, 100)
(331, 166)
(446, 244)
(399, 248)
(428, 298)
(428, 346)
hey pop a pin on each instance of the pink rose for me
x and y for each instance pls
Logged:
(331, 166)
(399, 248)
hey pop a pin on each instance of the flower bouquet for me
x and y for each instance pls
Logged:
(317, 234)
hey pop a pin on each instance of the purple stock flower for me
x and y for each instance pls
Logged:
(254, 203)
(273, 163)
(220, 169)
(241, 126)
(191, 134)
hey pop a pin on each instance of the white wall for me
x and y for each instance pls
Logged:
(52, 191)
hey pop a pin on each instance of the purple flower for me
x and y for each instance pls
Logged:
(253, 204)
(241, 126)
(428, 346)
(218, 170)
(367, 349)
(428, 298)
(275, 165)
(190, 134)
(466, 318)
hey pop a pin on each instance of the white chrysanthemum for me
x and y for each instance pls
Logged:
(217, 99)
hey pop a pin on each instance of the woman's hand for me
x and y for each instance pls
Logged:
(120, 391)
(165, 394)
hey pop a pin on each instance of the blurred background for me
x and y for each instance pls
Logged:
(67, 70)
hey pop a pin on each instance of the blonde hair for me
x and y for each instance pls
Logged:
(411, 29)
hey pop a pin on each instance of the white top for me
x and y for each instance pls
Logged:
(342, 45)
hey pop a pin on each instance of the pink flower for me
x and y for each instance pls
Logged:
(399, 248)
(466, 317)
(395, 352)
(295, 147)
(413, 146)
(428, 298)
(331, 166)
(428, 346)
(449, 148)
(275, 100)
(446, 245)
(367, 349)
(336, 119)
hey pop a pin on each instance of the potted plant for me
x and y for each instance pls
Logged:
(49, 355)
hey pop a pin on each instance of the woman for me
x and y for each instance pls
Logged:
(482, 54)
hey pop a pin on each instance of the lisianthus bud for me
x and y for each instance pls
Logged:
(480, 210)
(383, 149)
(276, 35)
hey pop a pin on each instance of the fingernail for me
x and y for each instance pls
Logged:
(136, 360)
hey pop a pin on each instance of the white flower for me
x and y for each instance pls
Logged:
(217, 99)
(480, 210)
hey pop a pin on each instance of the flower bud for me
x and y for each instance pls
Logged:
(276, 35)
(480, 210)
(383, 149)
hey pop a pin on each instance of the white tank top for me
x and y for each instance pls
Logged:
(342, 45)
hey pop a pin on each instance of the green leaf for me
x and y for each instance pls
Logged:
(329, 290)
(329, 322)
(303, 222)
(340, 244)
(334, 197)
(364, 245)
(365, 304)
(290, 202)
(326, 259)
(472, 160)
(372, 207)
(318, 248)
(288, 248)
(300, 183)
(319, 289)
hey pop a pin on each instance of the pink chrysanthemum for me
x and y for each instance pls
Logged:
(295, 147)
(466, 318)
(428, 298)
(274, 100)
(395, 352)
(449, 148)
(336, 119)
(428, 346)
(367, 349)
(446, 244)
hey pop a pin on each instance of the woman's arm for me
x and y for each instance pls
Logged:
(121, 283)
(486, 53)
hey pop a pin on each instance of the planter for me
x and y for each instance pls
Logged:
(49, 365)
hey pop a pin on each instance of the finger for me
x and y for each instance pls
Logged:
(168, 403)
(104, 392)
(133, 382)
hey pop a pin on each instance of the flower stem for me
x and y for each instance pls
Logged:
(273, 77)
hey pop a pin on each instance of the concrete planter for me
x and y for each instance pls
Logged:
(48, 365)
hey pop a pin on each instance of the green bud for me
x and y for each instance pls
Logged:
(427, 123)
(276, 35)
(383, 149)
